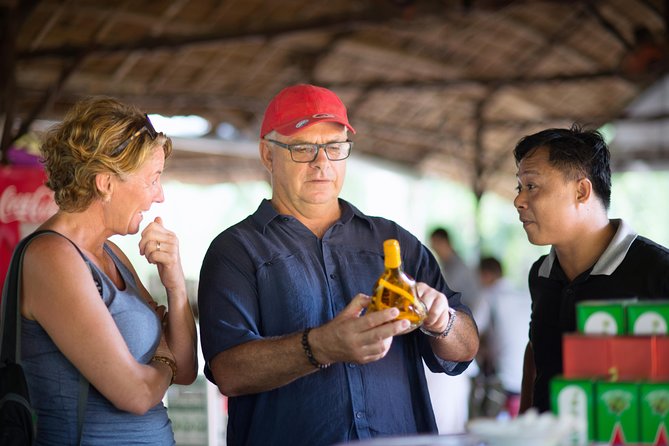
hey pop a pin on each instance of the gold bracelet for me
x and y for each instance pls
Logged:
(170, 362)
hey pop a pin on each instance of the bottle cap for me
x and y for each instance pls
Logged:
(391, 251)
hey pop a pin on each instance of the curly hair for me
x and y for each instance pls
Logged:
(83, 145)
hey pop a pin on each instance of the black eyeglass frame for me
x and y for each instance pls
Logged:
(318, 147)
(147, 127)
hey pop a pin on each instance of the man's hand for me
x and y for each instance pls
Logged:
(353, 337)
(437, 308)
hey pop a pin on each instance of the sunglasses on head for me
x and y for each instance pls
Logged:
(147, 127)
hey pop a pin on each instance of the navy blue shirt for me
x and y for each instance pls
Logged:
(269, 275)
(631, 267)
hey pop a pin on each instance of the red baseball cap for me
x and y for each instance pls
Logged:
(297, 107)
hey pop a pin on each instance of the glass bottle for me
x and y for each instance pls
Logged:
(395, 289)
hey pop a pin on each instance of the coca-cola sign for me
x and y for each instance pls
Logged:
(23, 195)
(26, 207)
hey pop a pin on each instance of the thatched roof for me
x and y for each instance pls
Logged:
(440, 86)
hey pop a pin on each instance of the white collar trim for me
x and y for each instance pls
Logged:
(611, 258)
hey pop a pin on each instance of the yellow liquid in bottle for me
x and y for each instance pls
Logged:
(395, 289)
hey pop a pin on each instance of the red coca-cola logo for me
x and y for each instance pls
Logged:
(26, 207)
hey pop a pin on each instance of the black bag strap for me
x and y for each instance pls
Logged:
(81, 407)
(10, 352)
(10, 347)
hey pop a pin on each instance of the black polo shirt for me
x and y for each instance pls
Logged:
(631, 267)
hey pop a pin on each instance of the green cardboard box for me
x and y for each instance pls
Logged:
(654, 401)
(649, 317)
(602, 317)
(618, 411)
(574, 399)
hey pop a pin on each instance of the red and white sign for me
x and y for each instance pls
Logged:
(25, 202)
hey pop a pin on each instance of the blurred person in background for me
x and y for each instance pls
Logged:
(451, 395)
(564, 193)
(85, 313)
(457, 273)
(283, 294)
(503, 318)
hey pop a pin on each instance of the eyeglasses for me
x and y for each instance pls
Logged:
(147, 127)
(306, 153)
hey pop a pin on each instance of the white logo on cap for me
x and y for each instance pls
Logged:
(323, 116)
(302, 123)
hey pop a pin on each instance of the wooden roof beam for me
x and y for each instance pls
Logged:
(12, 18)
(447, 83)
(164, 42)
(608, 26)
(569, 49)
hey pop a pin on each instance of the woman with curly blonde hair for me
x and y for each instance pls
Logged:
(85, 314)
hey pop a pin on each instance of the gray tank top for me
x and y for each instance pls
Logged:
(53, 381)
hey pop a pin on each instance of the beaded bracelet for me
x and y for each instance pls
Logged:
(449, 326)
(309, 353)
(170, 362)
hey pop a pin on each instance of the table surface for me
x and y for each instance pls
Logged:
(420, 440)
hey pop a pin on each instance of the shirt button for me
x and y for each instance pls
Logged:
(286, 218)
(358, 415)
(351, 365)
(333, 276)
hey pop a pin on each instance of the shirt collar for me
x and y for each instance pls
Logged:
(266, 213)
(348, 211)
(610, 259)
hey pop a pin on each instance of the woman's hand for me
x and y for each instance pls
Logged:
(161, 311)
(163, 349)
(161, 247)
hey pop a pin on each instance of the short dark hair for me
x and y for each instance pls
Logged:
(492, 265)
(575, 152)
(441, 233)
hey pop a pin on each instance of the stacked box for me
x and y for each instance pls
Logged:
(648, 317)
(631, 358)
(573, 399)
(615, 379)
(618, 412)
(601, 317)
(660, 363)
(654, 402)
(614, 357)
(586, 356)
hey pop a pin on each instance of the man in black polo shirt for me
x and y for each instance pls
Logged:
(564, 192)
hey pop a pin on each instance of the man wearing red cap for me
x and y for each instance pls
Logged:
(282, 300)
